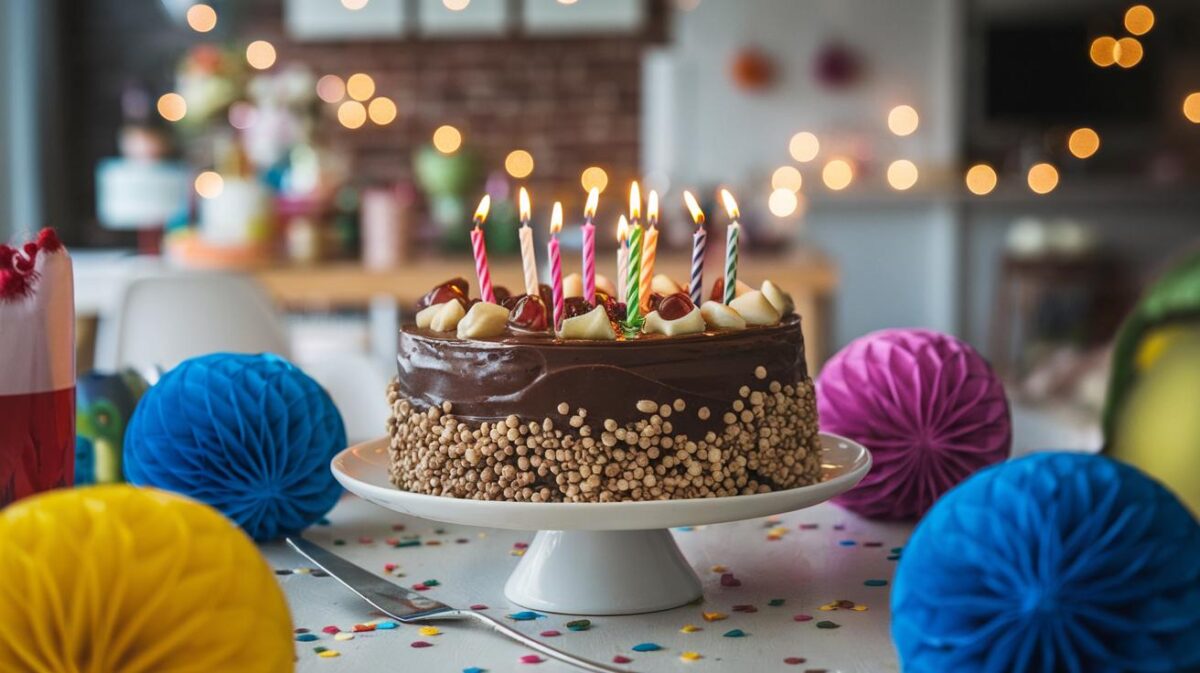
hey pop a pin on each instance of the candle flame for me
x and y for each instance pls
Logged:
(694, 208)
(635, 202)
(525, 209)
(622, 230)
(730, 205)
(482, 211)
(589, 211)
(556, 218)
(652, 207)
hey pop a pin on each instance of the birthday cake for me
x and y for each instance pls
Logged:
(552, 396)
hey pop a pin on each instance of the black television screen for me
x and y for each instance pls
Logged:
(1042, 73)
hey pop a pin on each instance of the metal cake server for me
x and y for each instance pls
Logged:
(410, 607)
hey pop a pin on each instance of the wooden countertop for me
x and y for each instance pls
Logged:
(350, 285)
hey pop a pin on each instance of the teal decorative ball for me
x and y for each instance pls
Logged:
(1054, 562)
(250, 435)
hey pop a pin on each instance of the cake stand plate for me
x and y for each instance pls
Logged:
(600, 558)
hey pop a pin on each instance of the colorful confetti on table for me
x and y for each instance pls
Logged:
(647, 647)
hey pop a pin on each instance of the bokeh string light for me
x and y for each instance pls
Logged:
(360, 86)
(519, 163)
(787, 177)
(172, 107)
(981, 179)
(804, 147)
(1042, 178)
(382, 111)
(1083, 142)
(201, 18)
(352, 114)
(447, 139)
(902, 174)
(837, 174)
(260, 54)
(593, 177)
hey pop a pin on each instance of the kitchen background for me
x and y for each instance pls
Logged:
(1010, 171)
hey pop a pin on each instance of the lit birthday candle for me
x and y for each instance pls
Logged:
(699, 239)
(528, 258)
(589, 247)
(633, 296)
(622, 255)
(731, 245)
(556, 278)
(649, 251)
(480, 250)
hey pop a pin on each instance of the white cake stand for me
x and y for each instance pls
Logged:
(599, 558)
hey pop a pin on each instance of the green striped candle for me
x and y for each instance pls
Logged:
(731, 246)
(633, 310)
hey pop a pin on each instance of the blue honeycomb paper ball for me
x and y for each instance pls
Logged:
(250, 435)
(1054, 562)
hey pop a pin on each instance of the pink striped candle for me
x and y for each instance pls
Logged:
(480, 250)
(589, 247)
(556, 277)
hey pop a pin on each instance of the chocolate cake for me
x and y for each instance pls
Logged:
(531, 417)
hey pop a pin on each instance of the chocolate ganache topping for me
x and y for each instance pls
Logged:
(530, 375)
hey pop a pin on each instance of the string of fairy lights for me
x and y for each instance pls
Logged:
(357, 104)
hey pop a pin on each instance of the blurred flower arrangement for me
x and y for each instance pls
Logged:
(264, 183)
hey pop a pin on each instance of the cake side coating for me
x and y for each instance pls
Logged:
(537, 419)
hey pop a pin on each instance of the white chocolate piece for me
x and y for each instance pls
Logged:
(573, 285)
(662, 284)
(781, 300)
(740, 288)
(482, 321)
(692, 323)
(719, 316)
(755, 309)
(425, 315)
(605, 285)
(593, 325)
(447, 316)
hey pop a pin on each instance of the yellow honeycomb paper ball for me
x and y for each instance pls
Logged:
(122, 579)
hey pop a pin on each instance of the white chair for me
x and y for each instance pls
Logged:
(166, 318)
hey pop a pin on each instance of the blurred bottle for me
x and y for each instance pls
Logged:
(386, 223)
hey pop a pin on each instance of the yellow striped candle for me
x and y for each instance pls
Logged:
(649, 252)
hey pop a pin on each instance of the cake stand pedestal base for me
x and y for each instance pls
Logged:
(587, 572)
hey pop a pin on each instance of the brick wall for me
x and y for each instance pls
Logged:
(571, 102)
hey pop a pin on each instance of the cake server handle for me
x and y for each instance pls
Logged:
(409, 607)
(565, 657)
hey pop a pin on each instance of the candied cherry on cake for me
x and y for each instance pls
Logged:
(675, 306)
(501, 293)
(528, 313)
(576, 306)
(655, 300)
(718, 291)
(455, 288)
(614, 308)
(547, 294)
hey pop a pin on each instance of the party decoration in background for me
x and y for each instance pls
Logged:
(928, 407)
(103, 405)
(120, 579)
(251, 435)
(837, 65)
(1053, 562)
(1158, 425)
(37, 368)
(752, 69)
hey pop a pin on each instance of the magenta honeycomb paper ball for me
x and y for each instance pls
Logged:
(929, 408)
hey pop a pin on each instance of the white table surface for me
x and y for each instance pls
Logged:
(806, 567)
